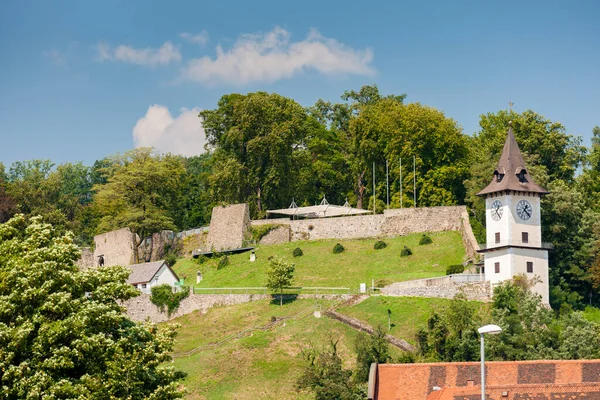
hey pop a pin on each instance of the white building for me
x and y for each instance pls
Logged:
(513, 223)
(145, 276)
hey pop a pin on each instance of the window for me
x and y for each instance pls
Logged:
(497, 237)
(529, 267)
(143, 286)
(525, 237)
(497, 267)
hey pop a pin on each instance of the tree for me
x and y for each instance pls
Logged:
(326, 377)
(7, 204)
(63, 333)
(139, 193)
(370, 349)
(280, 275)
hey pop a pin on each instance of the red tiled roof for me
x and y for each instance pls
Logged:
(572, 379)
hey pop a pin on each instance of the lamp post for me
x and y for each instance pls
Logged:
(492, 330)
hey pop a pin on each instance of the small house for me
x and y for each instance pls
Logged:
(144, 276)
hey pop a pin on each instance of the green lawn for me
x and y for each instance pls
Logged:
(320, 267)
(265, 365)
(408, 313)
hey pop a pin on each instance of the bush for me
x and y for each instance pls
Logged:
(405, 252)
(170, 259)
(201, 259)
(454, 269)
(223, 262)
(163, 296)
(298, 252)
(338, 248)
(380, 244)
(425, 239)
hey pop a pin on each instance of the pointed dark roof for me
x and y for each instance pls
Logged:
(511, 172)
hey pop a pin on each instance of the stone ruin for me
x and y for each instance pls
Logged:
(229, 227)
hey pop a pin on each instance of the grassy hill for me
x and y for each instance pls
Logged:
(266, 365)
(320, 267)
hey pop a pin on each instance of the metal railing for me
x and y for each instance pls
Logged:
(265, 290)
(504, 243)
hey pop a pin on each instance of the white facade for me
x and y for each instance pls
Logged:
(163, 276)
(513, 242)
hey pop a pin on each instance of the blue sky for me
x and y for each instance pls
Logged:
(80, 80)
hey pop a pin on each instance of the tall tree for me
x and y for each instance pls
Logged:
(7, 204)
(138, 194)
(63, 333)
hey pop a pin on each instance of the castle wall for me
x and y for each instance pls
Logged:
(115, 246)
(229, 227)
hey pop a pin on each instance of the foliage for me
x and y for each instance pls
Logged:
(170, 259)
(370, 349)
(298, 252)
(201, 259)
(455, 269)
(405, 252)
(223, 262)
(62, 331)
(164, 296)
(325, 376)
(380, 244)
(260, 231)
(280, 275)
(425, 239)
(338, 248)
(138, 194)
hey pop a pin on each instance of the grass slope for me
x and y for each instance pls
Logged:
(320, 267)
(408, 313)
(265, 365)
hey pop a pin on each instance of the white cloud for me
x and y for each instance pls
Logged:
(181, 135)
(201, 38)
(164, 55)
(272, 56)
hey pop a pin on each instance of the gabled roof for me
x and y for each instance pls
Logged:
(143, 273)
(510, 167)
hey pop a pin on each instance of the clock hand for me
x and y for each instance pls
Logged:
(526, 211)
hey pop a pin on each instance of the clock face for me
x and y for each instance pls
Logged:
(496, 210)
(524, 210)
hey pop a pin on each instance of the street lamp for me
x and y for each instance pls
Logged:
(492, 330)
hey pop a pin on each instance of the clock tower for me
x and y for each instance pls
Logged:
(513, 223)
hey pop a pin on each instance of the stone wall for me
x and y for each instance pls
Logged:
(229, 227)
(155, 249)
(115, 246)
(479, 291)
(281, 234)
(87, 259)
(394, 222)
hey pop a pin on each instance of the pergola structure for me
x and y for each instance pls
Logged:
(323, 210)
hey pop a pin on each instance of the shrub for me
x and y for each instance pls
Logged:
(455, 269)
(260, 231)
(382, 282)
(380, 244)
(201, 259)
(338, 248)
(405, 252)
(298, 252)
(170, 259)
(223, 262)
(425, 239)
(163, 296)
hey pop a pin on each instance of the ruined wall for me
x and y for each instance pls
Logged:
(229, 227)
(87, 259)
(281, 234)
(116, 246)
(161, 243)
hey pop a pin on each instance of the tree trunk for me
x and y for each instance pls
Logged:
(258, 204)
(360, 190)
(280, 297)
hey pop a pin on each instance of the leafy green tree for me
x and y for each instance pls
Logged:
(7, 204)
(253, 137)
(139, 193)
(63, 333)
(280, 275)
(326, 377)
(370, 349)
